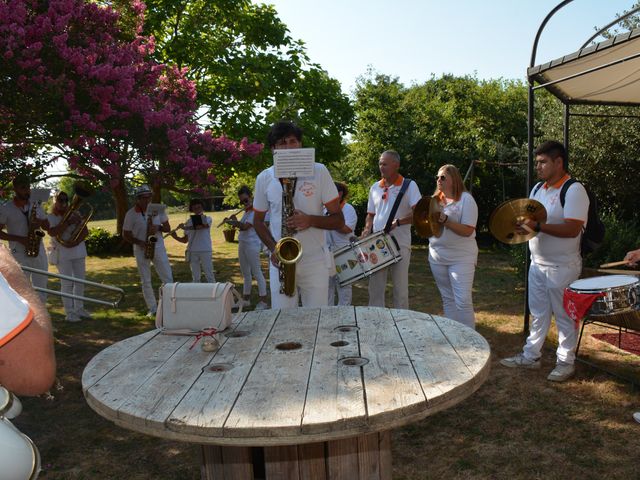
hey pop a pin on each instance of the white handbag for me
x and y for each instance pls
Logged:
(189, 308)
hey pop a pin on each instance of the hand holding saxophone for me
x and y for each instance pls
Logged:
(299, 221)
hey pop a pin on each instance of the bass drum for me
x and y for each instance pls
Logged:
(361, 259)
(19, 457)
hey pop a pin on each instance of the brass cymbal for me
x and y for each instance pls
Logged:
(425, 217)
(503, 220)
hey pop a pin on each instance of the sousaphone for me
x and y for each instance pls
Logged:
(425, 217)
(508, 215)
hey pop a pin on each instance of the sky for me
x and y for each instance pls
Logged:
(414, 40)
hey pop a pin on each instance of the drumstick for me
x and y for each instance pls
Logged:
(524, 226)
(614, 264)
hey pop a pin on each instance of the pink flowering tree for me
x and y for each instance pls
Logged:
(75, 86)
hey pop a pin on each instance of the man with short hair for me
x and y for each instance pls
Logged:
(382, 197)
(135, 230)
(16, 215)
(555, 261)
(310, 195)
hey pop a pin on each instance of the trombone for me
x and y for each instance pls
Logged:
(112, 304)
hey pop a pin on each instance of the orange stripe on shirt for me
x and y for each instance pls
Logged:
(20, 327)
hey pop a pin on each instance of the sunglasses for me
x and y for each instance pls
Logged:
(384, 193)
(244, 200)
(442, 178)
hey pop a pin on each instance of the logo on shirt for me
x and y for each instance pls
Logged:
(307, 189)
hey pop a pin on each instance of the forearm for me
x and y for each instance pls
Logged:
(333, 221)
(459, 228)
(561, 230)
(368, 224)
(9, 237)
(265, 235)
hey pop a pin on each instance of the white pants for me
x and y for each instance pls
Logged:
(41, 263)
(312, 282)
(163, 268)
(249, 256)
(201, 262)
(345, 294)
(400, 279)
(72, 268)
(546, 288)
(455, 283)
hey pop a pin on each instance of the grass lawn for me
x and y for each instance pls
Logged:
(517, 426)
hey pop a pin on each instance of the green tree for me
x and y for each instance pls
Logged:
(249, 72)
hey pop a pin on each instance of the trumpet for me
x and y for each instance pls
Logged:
(81, 191)
(232, 215)
(112, 304)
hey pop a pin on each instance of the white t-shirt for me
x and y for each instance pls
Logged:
(136, 222)
(16, 221)
(311, 194)
(65, 253)
(336, 239)
(547, 249)
(249, 237)
(381, 202)
(451, 248)
(199, 240)
(16, 313)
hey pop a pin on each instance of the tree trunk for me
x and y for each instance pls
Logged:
(122, 204)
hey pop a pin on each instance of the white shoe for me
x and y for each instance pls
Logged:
(151, 314)
(636, 417)
(73, 318)
(82, 313)
(520, 361)
(562, 372)
(261, 306)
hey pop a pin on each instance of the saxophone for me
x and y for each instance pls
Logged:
(150, 243)
(288, 249)
(35, 234)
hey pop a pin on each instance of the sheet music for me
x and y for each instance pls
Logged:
(154, 209)
(39, 195)
(294, 162)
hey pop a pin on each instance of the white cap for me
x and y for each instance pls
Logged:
(142, 190)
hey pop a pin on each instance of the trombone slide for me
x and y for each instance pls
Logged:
(111, 288)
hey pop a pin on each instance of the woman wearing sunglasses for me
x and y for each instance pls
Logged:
(453, 255)
(69, 256)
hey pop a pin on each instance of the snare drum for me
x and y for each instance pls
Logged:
(621, 293)
(361, 259)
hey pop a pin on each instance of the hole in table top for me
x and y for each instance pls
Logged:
(354, 361)
(237, 334)
(218, 367)
(289, 346)
(346, 328)
(340, 343)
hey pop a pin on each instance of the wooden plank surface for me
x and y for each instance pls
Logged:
(114, 388)
(418, 364)
(111, 356)
(342, 459)
(281, 463)
(311, 461)
(335, 398)
(205, 407)
(272, 399)
(392, 388)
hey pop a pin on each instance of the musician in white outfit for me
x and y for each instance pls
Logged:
(70, 258)
(633, 258)
(310, 195)
(338, 239)
(555, 262)
(135, 231)
(382, 196)
(27, 360)
(15, 215)
(199, 251)
(249, 246)
(453, 255)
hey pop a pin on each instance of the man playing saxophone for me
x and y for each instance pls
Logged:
(141, 230)
(69, 253)
(305, 222)
(24, 221)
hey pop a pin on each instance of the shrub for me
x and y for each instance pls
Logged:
(100, 242)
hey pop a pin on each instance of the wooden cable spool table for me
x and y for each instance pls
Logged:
(303, 393)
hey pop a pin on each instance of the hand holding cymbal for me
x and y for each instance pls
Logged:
(426, 217)
(507, 220)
